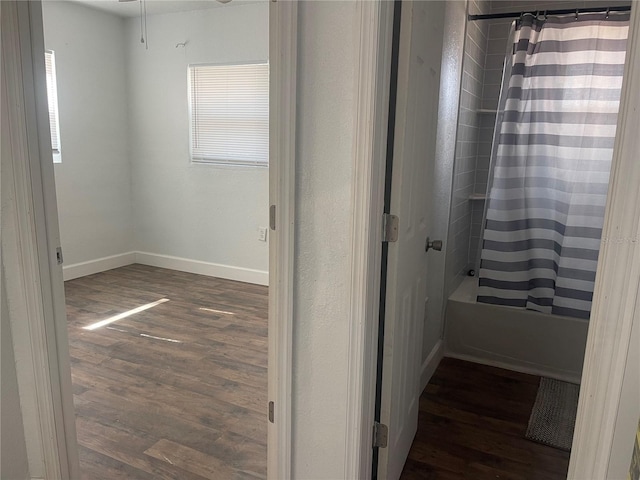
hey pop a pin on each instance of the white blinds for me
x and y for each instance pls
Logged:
(229, 113)
(52, 97)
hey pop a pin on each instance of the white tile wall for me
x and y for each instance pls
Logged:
(469, 128)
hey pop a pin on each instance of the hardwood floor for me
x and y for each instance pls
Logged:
(177, 391)
(472, 423)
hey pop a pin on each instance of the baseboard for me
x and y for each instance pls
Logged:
(83, 269)
(247, 275)
(515, 367)
(430, 364)
(229, 272)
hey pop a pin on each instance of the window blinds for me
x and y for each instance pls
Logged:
(229, 110)
(52, 98)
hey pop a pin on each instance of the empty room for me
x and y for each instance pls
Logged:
(370, 309)
(159, 118)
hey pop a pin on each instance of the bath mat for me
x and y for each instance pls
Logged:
(553, 416)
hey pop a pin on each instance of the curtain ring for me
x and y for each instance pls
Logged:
(521, 16)
(545, 15)
(577, 11)
(607, 15)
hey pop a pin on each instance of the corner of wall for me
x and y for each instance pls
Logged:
(457, 14)
(128, 135)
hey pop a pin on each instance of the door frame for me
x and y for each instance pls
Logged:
(30, 236)
(616, 298)
(373, 76)
(283, 36)
(36, 297)
(618, 271)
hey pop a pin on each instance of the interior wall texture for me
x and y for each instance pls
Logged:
(93, 182)
(327, 58)
(199, 212)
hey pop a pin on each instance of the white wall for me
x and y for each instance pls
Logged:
(125, 182)
(93, 182)
(199, 212)
(441, 181)
(325, 127)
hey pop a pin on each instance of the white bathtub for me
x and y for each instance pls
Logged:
(512, 338)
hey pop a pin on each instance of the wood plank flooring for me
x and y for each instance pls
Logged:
(472, 423)
(178, 391)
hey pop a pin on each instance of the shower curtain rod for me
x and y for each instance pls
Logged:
(491, 16)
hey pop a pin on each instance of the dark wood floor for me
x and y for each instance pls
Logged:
(177, 391)
(473, 419)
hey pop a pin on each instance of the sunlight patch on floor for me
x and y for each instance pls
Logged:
(122, 315)
(146, 335)
(216, 311)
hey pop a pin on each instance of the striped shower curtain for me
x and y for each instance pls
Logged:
(551, 159)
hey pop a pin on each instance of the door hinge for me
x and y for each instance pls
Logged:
(380, 435)
(272, 217)
(389, 227)
(271, 408)
(59, 258)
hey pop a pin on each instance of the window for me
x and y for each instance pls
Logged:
(229, 114)
(52, 97)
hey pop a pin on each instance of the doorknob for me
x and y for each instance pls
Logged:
(435, 244)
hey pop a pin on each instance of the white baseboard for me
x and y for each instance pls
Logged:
(103, 264)
(430, 364)
(228, 272)
(248, 275)
(540, 372)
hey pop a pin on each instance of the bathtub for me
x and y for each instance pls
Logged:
(512, 338)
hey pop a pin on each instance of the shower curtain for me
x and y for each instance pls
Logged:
(551, 159)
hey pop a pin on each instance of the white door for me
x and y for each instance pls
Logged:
(419, 66)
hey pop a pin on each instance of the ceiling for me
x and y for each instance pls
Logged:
(155, 7)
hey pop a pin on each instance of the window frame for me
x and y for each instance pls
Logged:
(57, 155)
(221, 162)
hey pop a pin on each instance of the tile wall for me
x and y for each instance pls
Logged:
(464, 175)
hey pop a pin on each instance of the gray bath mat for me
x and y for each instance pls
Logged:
(553, 416)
